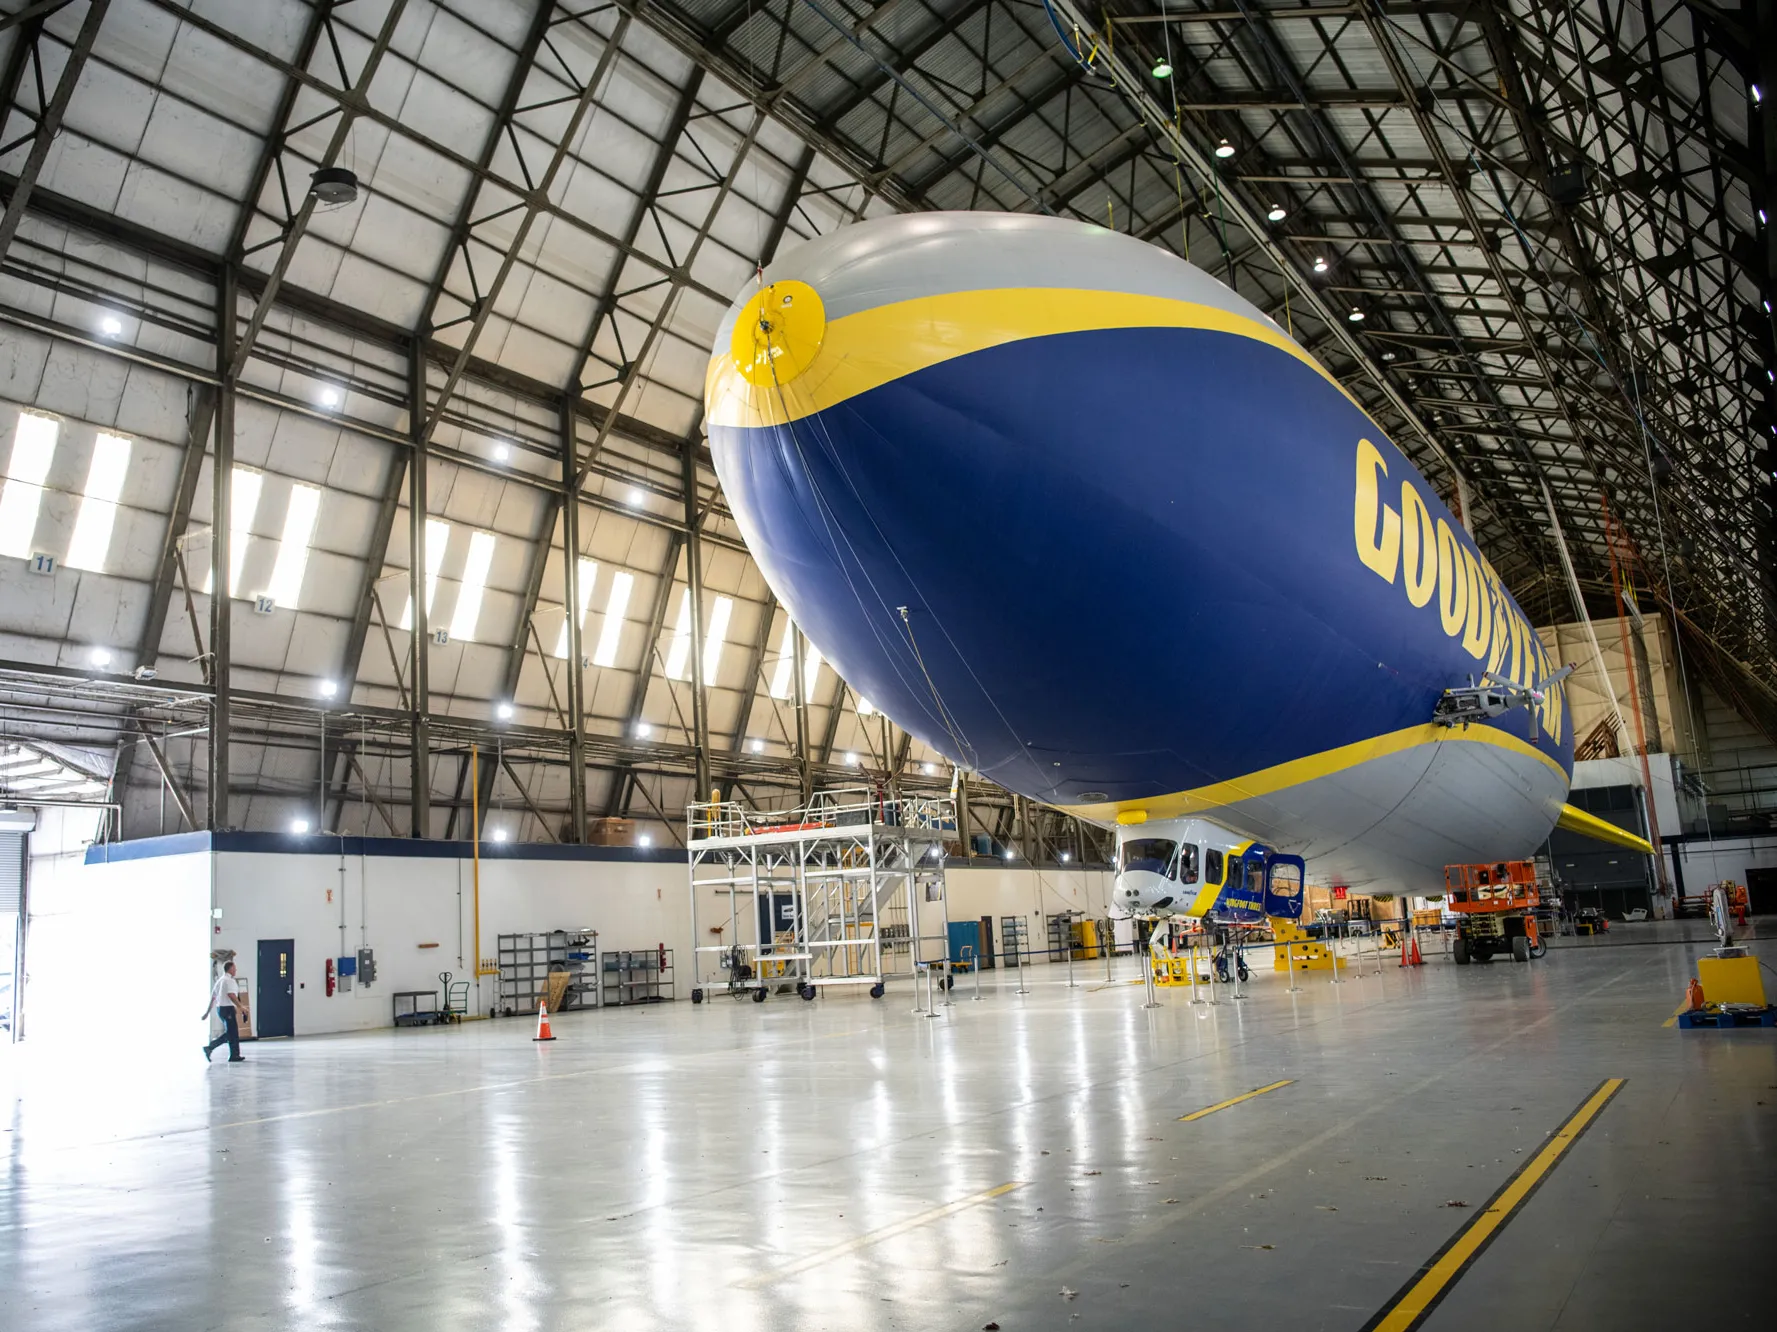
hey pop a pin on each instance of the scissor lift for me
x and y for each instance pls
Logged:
(1495, 908)
(846, 890)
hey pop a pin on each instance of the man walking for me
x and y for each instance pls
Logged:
(222, 1003)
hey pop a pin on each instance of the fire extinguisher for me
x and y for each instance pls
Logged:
(662, 956)
(330, 978)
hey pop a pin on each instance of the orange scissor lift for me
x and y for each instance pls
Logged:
(1495, 909)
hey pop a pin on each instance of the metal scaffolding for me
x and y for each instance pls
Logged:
(847, 889)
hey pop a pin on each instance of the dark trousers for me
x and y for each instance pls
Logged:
(231, 1033)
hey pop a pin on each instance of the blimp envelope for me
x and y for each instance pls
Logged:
(1086, 521)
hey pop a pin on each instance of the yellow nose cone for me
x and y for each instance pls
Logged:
(778, 334)
(1130, 817)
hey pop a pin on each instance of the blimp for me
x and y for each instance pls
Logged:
(1087, 522)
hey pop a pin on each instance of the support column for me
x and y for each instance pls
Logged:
(221, 532)
(576, 679)
(799, 693)
(700, 722)
(420, 641)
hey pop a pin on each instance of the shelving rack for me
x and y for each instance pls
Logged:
(528, 960)
(635, 976)
(845, 890)
(1014, 941)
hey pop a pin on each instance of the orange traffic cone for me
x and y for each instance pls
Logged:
(1418, 961)
(543, 1032)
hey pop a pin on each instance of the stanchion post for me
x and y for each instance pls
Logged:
(1289, 961)
(1148, 974)
(1332, 953)
(949, 983)
(1109, 947)
(1068, 948)
(1239, 957)
(1191, 965)
(977, 971)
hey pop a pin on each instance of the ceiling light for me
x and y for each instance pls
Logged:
(328, 688)
(1388, 356)
(635, 497)
(930, 769)
(334, 185)
(299, 825)
(99, 656)
(1224, 150)
(756, 745)
(644, 840)
(1278, 213)
(643, 730)
(1162, 69)
(502, 452)
(1356, 316)
(1320, 265)
(1064, 857)
(111, 326)
(498, 834)
(330, 397)
(1008, 855)
(1757, 96)
(503, 711)
(851, 760)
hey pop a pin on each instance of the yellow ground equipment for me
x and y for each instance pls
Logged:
(1296, 951)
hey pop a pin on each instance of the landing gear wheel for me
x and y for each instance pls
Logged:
(697, 996)
(1242, 972)
(1540, 947)
(876, 990)
(805, 990)
(1222, 970)
(1520, 949)
(950, 982)
(759, 995)
(1459, 951)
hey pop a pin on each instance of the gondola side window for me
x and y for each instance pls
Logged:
(1187, 863)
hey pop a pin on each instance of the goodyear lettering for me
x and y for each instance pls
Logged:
(1379, 554)
(1419, 546)
(1427, 558)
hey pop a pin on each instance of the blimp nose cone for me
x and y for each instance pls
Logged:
(774, 335)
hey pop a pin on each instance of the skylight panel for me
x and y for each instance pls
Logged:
(33, 446)
(98, 508)
(468, 610)
(715, 635)
(786, 662)
(680, 652)
(293, 547)
(437, 538)
(865, 707)
(811, 670)
(588, 574)
(244, 485)
(611, 632)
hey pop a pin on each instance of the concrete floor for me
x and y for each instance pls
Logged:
(846, 1164)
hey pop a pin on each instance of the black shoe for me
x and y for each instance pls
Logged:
(207, 1053)
(236, 1059)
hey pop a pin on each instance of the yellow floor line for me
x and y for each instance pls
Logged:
(925, 1218)
(1410, 1307)
(1232, 1100)
(1672, 1021)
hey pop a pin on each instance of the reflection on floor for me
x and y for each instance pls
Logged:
(852, 1165)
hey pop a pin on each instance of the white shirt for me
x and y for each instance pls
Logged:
(225, 992)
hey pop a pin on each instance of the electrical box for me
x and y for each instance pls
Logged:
(367, 966)
(347, 968)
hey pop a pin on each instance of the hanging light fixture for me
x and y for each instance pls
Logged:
(1162, 68)
(1224, 150)
(1356, 316)
(1320, 265)
(1278, 213)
